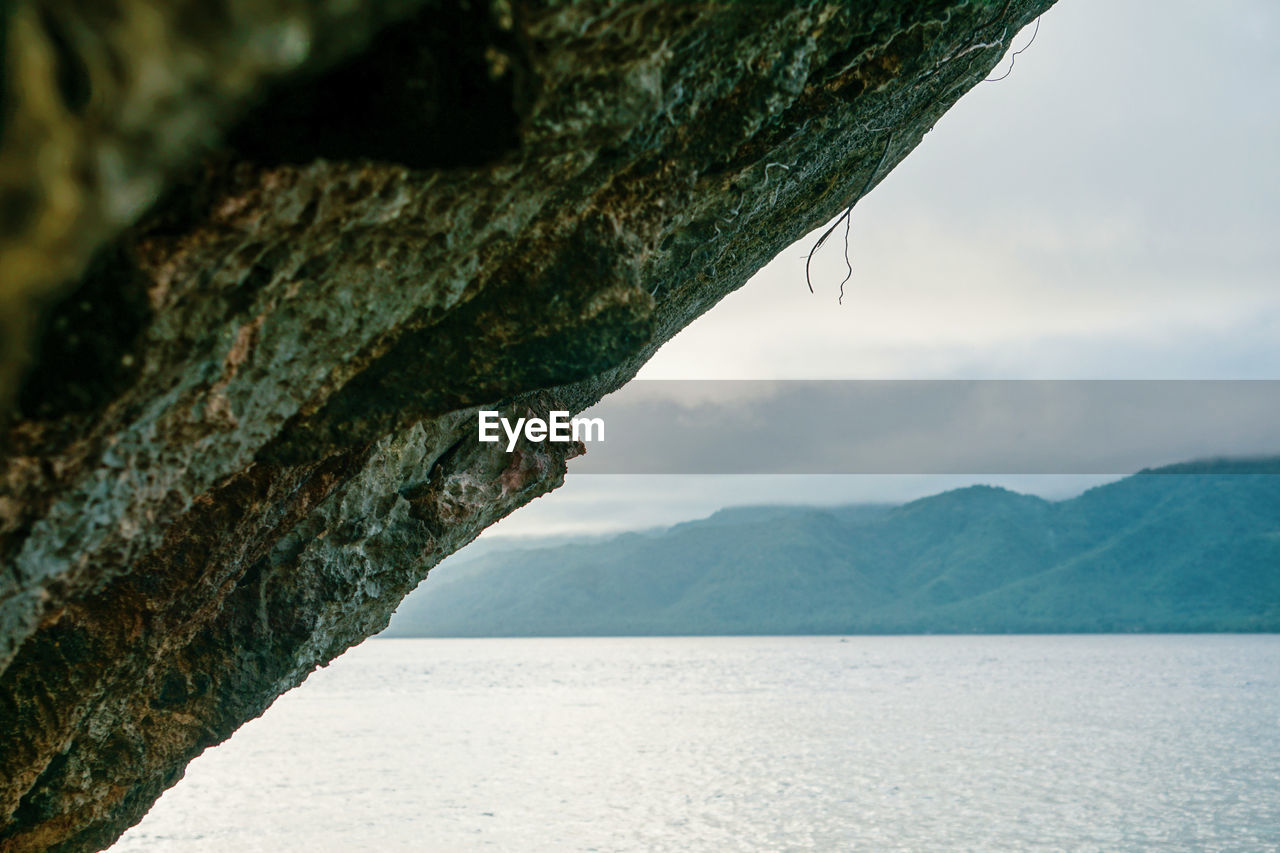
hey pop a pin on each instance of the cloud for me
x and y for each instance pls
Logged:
(930, 426)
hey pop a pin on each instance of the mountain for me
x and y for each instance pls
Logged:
(1193, 547)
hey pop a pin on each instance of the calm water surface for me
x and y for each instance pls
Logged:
(763, 744)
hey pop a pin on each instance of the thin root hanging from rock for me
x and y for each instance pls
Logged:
(845, 218)
(848, 211)
(1013, 58)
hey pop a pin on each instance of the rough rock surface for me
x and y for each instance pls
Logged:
(247, 432)
(100, 100)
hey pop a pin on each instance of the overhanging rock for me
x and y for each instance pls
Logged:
(240, 442)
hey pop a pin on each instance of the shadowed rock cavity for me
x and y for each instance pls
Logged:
(437, 91)
(247, 432)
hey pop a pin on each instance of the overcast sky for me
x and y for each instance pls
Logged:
(1108, 211)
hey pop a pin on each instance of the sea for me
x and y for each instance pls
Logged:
(946, 743)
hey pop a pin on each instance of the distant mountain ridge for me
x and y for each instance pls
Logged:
(1193, 547)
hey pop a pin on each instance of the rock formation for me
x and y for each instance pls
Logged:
(279, 252)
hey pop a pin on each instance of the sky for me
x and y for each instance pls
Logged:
(1110, 210)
